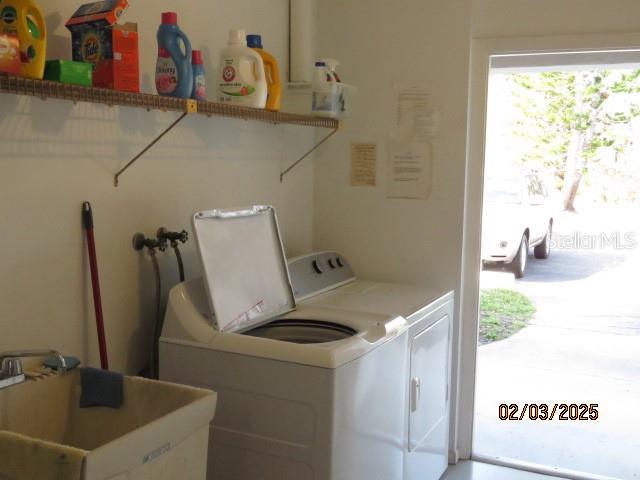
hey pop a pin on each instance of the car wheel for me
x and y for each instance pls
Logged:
(543, 250)
(519, 263)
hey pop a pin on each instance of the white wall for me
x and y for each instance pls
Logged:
(508, 18)
(379, 42)
(54, 155)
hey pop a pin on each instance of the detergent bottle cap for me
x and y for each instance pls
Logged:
(237, 37)
(196, 57)
(254, 41)
(169, 18)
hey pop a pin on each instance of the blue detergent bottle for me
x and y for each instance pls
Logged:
(174, 73)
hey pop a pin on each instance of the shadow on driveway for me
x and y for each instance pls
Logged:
(570, 265)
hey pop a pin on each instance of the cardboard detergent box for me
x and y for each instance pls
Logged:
(111, 48)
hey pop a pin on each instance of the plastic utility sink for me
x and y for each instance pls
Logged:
(160, 432)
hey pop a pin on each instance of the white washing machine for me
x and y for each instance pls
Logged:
(314, 380)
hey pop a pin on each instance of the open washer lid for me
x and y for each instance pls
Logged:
(245, 269)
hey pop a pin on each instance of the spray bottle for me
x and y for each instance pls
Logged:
(332, 66)
(329, 93)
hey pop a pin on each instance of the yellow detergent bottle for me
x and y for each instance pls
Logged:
(274, 85)
(24, 19)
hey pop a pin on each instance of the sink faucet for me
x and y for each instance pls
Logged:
(11, 372)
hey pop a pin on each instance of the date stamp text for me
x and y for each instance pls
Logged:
(543, 411)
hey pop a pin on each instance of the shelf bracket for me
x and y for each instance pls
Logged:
(297, 162)
(116, 178)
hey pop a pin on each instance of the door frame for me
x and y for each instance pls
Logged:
(482, 49)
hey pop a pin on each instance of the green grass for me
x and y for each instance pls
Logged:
(503, 313)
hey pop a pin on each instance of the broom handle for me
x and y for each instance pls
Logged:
(87, 220)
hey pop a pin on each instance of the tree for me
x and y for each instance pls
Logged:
(569, 116)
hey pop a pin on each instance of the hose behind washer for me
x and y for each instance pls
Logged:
(157, 332)
(174, 245)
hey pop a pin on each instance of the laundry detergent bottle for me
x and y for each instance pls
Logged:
(272, 73)
(174, 73)
(23, 19)
(199, 80)
(241, 77)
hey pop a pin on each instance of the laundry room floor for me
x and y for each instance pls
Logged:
(469, 470)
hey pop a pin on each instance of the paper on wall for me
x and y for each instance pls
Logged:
(364, 157)
(416, 117)
(409, 170)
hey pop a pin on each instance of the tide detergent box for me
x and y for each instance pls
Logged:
(9, 54)
(111, 48)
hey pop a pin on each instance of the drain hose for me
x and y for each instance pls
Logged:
(179, 259)
(155, 349)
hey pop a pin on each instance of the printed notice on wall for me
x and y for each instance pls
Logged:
(409, 170)
(364, 157)
(416, 116)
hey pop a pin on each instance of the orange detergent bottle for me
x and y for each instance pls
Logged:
(24, 19)
(272, 72)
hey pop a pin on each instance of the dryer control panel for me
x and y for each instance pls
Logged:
(318, 272)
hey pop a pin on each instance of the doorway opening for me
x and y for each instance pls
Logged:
(558, 361)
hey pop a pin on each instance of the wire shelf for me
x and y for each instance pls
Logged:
(47, 89)
(76, 93)
(247, 113)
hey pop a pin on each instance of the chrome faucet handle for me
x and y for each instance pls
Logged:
(11, 370)
(12, 360)
(11, 367)
(62, 364)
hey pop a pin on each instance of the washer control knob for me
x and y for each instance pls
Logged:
(339, 262)
(331, 265)
(316, 267)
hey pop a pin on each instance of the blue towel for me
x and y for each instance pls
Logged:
(100, 388)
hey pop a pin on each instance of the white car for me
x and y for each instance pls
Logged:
(517, 216)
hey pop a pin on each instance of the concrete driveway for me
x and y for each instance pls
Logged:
(583, 346)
